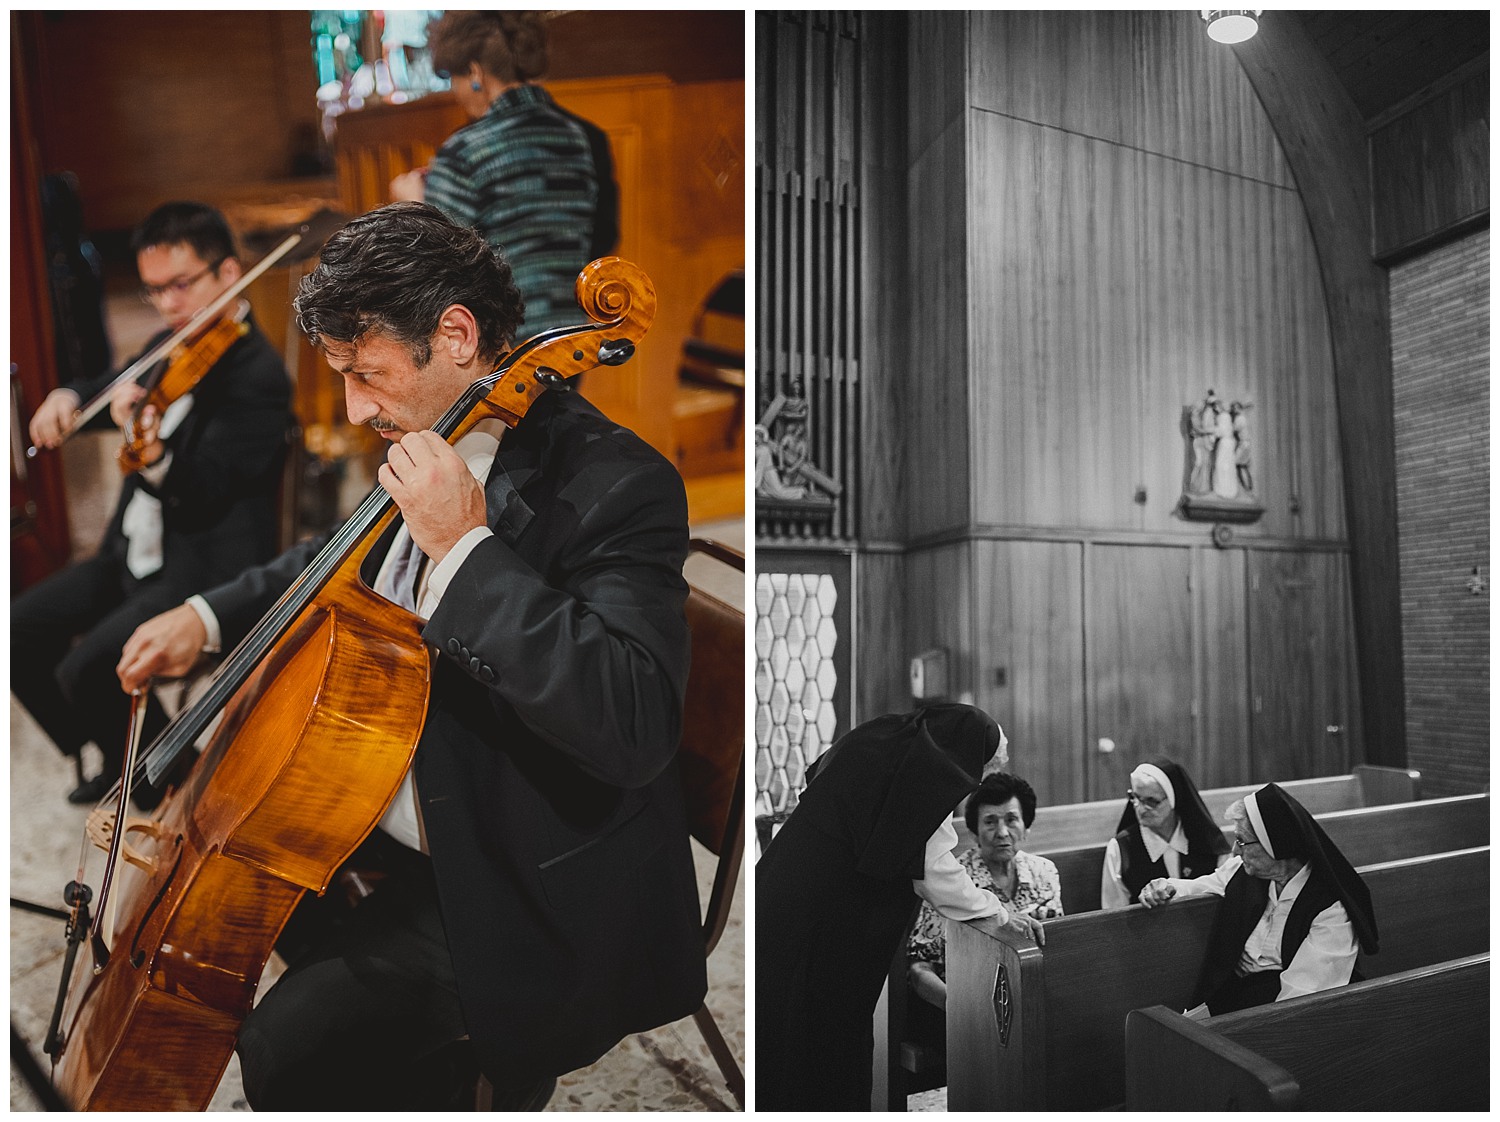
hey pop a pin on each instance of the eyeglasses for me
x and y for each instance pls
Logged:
(151, 293)
(1246, 843)
(1149, 804)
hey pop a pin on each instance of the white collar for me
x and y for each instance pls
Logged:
(1156, 845)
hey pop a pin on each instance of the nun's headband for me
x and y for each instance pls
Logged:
(1156, 775)
(1258, 824)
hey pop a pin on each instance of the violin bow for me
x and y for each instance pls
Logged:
(204, 316)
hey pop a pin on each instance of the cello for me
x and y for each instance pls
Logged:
(153, 1014)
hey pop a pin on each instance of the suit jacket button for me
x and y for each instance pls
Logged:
(453, 646)
(473, 666)
(486, 673)
(463, 652)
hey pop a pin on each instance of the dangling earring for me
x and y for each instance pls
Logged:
(476, 86)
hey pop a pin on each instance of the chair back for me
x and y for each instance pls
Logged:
(712, 752)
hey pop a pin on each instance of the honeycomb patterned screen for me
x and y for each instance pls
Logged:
(795, 637)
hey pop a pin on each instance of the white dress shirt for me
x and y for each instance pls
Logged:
(142, 521)
(1326, 958)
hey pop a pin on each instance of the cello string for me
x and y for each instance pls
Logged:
(231, 675)
(186, 727)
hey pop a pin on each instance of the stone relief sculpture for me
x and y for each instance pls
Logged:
(783, 470)
(1219, 485)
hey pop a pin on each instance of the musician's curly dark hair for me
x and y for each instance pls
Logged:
(510, 45)
(395, 269)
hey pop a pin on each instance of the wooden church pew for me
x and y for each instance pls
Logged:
(1416, 1040)
(1075, 824)
(1368, 835)
(1043, 1028)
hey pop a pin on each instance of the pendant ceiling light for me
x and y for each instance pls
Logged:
(1231, 26)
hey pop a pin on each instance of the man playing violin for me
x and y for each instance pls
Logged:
(202, 508)
(537, 893)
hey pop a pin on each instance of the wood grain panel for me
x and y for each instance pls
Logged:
(939, 611)
(1298, 677)
(937, 92)
(880, 648)
(1146, 80)
(1138, 647)
(1222, 707)
(1111, 289)
(1430, 169)
(934, 386)
(1028, 621)
(884, 326)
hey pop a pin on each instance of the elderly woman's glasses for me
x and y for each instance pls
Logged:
(1149, 804)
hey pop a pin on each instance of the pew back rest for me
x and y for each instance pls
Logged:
(1365, 835)
(1418, 1040)
(1428, 909)
(1093, 823)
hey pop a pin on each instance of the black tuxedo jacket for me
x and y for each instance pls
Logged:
(219, 494)
(546, 770)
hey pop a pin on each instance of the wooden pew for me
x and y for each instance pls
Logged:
(1043, 1028)
(1075, 824)
(1366, 835)
(1415, 1040)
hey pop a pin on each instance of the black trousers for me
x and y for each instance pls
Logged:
(367, 1014)
(1245, 992)
(71, 689)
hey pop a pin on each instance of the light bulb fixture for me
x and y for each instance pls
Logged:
(1231, 26)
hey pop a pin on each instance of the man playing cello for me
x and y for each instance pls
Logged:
(538, 893)
(202, 509)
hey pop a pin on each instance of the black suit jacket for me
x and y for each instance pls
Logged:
(546, 769)
(219, 494)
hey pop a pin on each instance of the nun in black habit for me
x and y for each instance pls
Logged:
(1164, 831)
(838, 886)
(1295, 913)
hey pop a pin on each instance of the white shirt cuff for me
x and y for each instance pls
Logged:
(442, 572)
(215, 638)
(157, 472)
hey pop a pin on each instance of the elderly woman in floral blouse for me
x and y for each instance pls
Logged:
(998, 815)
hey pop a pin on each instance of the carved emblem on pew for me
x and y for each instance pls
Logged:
(1002, 1004)
(1218, 485)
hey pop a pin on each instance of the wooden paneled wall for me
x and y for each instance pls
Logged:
(1101, 230)
(147, 106)
(1430, 166)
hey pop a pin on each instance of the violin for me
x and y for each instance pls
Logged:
(175, 379)
(201, 323)
(148, 1019)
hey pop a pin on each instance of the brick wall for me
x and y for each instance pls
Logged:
(1440, 347)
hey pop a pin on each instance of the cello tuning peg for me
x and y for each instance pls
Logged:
(551, 378)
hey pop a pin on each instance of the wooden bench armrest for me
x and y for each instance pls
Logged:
(1173, 1063)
